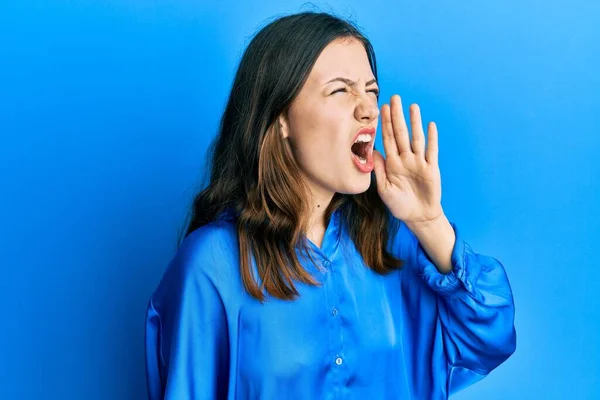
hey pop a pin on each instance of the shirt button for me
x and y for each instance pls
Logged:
(338, 361)
(334, 311)
(326, 264)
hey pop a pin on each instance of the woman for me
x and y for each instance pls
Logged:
(312, 267)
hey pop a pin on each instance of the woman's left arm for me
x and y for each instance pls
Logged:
(475, 302)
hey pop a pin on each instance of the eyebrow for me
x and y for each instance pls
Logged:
(349, 82)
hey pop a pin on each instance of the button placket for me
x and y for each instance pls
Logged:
(335, 321)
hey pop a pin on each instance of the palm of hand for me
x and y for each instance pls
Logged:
(409, 179)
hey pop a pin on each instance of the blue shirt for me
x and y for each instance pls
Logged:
(412, 334)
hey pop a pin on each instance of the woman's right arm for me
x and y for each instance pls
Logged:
(187, 346)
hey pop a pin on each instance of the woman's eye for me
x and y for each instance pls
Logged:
(376, 91)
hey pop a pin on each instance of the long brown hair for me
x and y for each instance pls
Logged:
(254, 173)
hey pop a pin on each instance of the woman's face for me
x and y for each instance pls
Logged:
(322, 123)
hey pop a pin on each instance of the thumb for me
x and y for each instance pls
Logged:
(380, 174)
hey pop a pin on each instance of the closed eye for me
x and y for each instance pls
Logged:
(376, 91)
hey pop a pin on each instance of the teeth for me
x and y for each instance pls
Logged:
(362, 160)
(363, 138)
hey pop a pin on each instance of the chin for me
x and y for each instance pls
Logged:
(358, 185)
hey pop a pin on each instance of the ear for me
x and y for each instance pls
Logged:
(283, 126)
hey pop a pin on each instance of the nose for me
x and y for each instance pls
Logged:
(367, 109)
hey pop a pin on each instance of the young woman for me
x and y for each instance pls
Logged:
(312, 267)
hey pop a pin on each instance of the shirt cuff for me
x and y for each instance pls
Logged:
(463, 275)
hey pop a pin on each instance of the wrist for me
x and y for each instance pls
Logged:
(429, 225)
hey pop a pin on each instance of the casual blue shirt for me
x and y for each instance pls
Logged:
(413, 334)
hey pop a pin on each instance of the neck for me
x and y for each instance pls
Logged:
(316, 219)
(317, 216)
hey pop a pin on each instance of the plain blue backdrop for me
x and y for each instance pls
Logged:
(106, 109)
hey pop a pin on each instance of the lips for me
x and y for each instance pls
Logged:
(363, 148)
(367, 129)
(362, 151)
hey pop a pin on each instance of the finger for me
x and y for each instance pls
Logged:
(380, 173)
(389, 141)
(432, 144)
(399, 124)
(418, 136)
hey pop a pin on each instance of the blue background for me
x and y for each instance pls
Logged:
(106, 109)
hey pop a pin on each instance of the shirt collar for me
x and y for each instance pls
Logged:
(331, 237)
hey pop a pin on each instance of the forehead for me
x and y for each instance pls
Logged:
(345, 57)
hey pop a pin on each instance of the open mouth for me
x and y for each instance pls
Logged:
(362, 147)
